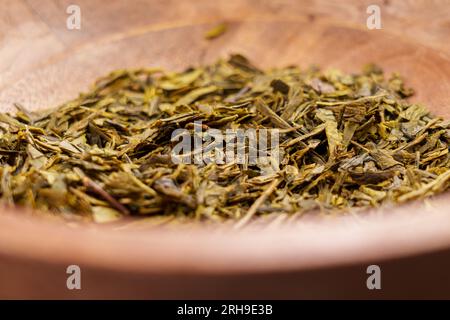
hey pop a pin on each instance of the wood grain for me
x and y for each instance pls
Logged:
(43, 64)
(35, 43)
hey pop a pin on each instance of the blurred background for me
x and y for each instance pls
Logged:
(35, 40)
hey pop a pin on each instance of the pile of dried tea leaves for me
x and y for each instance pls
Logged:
(347, 141)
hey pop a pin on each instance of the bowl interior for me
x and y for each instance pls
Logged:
(280, 244)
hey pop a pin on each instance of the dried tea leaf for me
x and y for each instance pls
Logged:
(333, 135)
(216, 31)
(105, 214)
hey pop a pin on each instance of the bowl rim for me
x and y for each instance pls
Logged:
(376, 236)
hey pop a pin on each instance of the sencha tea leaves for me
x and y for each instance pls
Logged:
(338, 141)
(216, 32)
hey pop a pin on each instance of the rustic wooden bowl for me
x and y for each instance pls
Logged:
(308, 258)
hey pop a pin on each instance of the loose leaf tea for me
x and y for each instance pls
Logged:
(216, 32)
(345, 140)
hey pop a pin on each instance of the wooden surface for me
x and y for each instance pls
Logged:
(35, 43)
(43, 64)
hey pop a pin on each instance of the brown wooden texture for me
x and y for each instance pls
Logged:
(43, 64)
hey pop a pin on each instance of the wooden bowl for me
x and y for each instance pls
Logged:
(324, 257)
